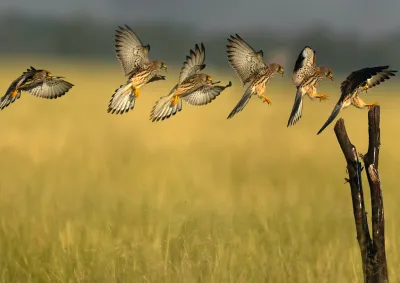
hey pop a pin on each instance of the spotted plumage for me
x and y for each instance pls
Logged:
(308, 86)
(357, 82)
(304, 65)
(133, 56)
(39, 83)
(250, 68)
(193, 87)
(306, 77)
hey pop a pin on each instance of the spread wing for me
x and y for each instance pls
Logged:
(372, 76)
(49, 88)
(205, 94)
(244, 59)
(297, 110)
(130, 51)
(305, 64)
(194, 62)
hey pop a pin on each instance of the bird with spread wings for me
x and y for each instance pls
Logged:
(134, 59)
(251, 69)
(40, 83)
(193, 87)
(356, 83)
(306, 76)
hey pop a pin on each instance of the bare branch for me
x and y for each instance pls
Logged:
(357, 196)
(371, 161)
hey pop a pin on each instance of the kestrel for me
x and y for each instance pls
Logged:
(356, 83)
(134, 59)
(250, 68)
(40, 83)
(306, 76)
(193, 87)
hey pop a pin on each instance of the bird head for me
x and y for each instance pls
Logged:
(277, 68)
(325, 72)
(163, 66)
(365, 86)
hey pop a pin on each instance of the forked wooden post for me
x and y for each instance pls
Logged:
(373, 253)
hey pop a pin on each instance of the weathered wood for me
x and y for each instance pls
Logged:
(373, 254)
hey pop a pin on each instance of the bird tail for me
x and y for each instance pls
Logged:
(12, 94)
(334, 113)
(297, 109)
(242, 102)
(122, 100)
(164, 108)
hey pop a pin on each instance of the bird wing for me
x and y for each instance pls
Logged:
(130, 51)
(49, 88)
(193, 63)
(372, 76)
(205, 94)
(304, 65)
(244, 59)
(297, 109)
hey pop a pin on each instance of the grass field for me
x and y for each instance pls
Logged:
(86, 196)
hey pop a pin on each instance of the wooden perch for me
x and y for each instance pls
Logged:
(373, 253)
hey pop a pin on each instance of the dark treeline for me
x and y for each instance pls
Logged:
(85, 38)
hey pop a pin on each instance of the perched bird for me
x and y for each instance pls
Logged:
(40, 83)
(193, 87)
(306, 76)
(356, 83)
(250, 68)
(134, 59)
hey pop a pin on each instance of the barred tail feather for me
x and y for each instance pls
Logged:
(242, 103)
(11, 95)
(335, 112)
(297, 109)
(122, 100)
(163, 109)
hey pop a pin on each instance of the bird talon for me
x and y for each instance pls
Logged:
(322, 97)
(136, 92)
(371, 105)
(175, 101)
(266, 99)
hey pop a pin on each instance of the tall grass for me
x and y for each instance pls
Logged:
(86, 196)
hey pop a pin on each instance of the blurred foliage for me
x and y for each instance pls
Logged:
(85, 37)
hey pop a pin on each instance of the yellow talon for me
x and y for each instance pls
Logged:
(266, 99)
(136, 92)
(322, 97)
(175, 101)
(372, 104)
(14, 93)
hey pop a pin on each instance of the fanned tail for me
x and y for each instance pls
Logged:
(122, 100)
(164, 108)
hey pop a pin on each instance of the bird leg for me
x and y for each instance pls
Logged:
(136, 91)
(175, 101)
(371, 104)
(321, 97)
(14, 93)
(266, 99)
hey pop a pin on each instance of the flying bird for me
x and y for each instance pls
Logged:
(251, 69)
(306, 76)
(40, 83)
(355, 84)
(134, 59)
(193, 87)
